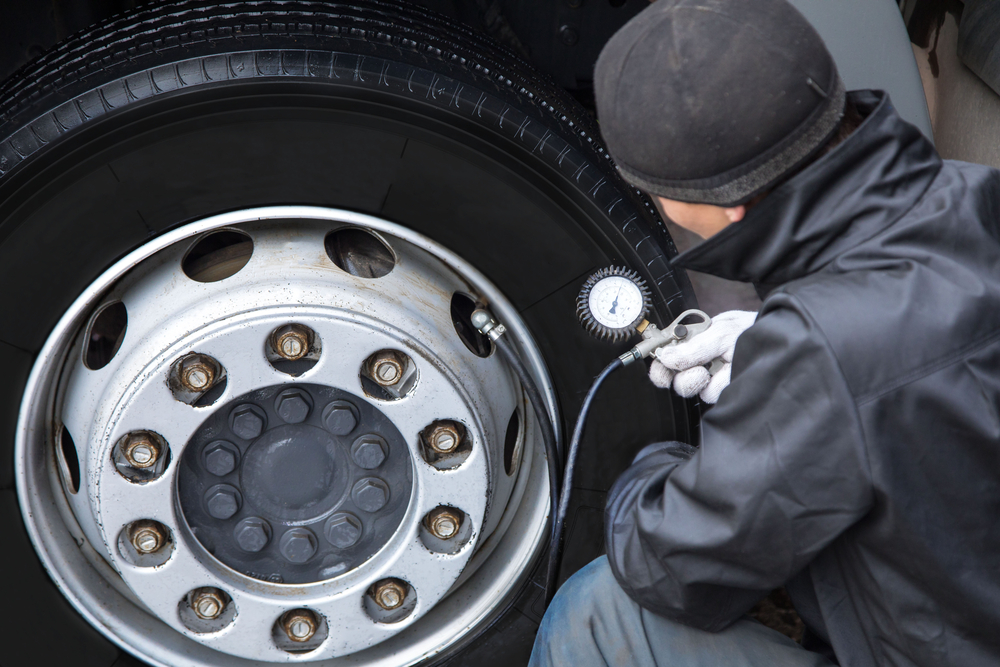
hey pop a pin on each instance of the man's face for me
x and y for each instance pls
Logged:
(705, 220)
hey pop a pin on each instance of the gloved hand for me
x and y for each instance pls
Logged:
(683, 363)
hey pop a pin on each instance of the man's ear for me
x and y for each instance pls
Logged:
(736, 213)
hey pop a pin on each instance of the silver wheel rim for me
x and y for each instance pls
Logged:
(509, 528)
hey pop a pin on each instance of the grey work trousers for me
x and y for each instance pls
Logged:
(593, 622)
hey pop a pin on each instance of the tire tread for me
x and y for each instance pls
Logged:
(161, 49)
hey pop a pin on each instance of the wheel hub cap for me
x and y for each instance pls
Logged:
(291, 478)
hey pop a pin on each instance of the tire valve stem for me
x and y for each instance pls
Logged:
(486, 325)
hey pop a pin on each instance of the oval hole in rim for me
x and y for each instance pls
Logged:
(70, 457)
(359, 253)
(105, 336)
(217, 256)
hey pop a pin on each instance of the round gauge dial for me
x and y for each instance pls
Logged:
(612, 303)
(615, 302)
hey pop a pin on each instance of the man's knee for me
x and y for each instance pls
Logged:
(586, 596)
(585, 618)
(592, 621)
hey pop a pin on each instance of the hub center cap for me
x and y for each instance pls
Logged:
(291, 469)
(295, 483)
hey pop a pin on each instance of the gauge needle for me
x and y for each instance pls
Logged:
(614, 304)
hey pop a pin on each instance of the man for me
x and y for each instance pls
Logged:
(855, 456)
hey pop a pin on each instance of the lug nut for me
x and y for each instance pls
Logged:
(343, 530)
(193, 375)
(300, 625)
(389, 594)
(387, 370)
(220, 458)
(198, 372)
(208, 603)
(140, 456)
(145, 543)
(445, 444)
(370, 494)
(141, 451)
(298, 545)
(146, 537)
(291, 342)
(340, 417)
(252, 534)
(443, 523)
(444, 438)
(293, 406)
(247, 421)
(390, 374)
(223, 501)
(368, 451)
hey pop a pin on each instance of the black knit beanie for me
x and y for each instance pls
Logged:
(713, 101)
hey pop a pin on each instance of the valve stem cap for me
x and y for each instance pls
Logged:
(481, 319)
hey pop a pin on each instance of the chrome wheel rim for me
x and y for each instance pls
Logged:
(506, 527)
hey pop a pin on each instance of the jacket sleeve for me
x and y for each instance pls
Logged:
(699, 536)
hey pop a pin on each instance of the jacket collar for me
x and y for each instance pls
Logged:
(861, 187)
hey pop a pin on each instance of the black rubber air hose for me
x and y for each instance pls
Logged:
(535, 397)
(559, 519)
(485, 323)
(543, 418)
(559, 493)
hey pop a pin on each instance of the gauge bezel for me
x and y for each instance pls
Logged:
(586, 315)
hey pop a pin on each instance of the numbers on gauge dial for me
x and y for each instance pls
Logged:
(616, 302)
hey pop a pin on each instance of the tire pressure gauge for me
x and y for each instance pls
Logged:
(613, 303)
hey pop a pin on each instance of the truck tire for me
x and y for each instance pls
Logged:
(119, 139)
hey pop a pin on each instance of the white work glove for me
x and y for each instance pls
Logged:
(683, 363)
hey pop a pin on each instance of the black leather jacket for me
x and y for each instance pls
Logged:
(855, 457)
